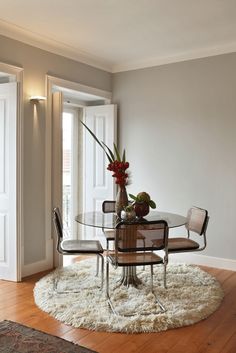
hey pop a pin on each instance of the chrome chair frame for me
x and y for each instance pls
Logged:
(57, 220)
(191, 228)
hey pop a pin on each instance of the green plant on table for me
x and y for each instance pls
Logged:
(129, 208)
(143, 197)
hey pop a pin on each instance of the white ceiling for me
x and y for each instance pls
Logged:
(120, 35)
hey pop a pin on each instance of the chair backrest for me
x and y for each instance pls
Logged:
(197, 220)
(57, 221)
(108, 206)
(136, 236)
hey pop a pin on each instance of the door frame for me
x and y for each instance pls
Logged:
(18, 73)
(52, 81)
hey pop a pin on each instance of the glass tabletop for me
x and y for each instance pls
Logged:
(110, 220)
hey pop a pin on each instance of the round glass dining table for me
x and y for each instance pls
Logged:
(110, 220)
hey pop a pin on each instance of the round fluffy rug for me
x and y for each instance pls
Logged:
(72, 295)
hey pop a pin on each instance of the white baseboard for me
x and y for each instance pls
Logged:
(43, 265)
(210, 261)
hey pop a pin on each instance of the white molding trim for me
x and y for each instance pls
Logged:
(39, 266)
(20, 172)
(18, 73)
(60, 82)
(12, 70)
(204, 260)
(48, 162)
(42, 42)
(171, 59)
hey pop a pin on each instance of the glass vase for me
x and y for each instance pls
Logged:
(121, 200)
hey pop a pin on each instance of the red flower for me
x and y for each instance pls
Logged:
(118, 168)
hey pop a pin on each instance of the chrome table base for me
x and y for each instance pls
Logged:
(129, 277)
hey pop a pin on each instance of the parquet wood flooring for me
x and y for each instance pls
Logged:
(216, 334)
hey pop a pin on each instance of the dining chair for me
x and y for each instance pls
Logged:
(134, 246)
(77, 247)
(108, 207)
(197, 222)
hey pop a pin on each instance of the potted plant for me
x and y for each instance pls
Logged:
(142, 203)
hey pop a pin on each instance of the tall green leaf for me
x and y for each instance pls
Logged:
(123, 157)
(152, 204)
(97, 140)
(109, 150)
(133, 197)
(117, 153)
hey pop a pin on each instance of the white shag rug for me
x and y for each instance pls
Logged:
(72, 295)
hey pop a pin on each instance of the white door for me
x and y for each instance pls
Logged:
(8, 232)
(98, 182)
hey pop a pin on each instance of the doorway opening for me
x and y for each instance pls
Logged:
(80, 170)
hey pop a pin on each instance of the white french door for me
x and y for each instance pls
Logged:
(8, 159)
(98, 181)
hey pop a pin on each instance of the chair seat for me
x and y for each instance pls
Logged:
(181, 244)
(136, 259)
(109, 234)
(81, 246)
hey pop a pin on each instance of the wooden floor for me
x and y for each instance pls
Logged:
(217, 334)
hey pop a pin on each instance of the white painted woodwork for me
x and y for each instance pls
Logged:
(98, 181)
(57, 109)
(8, 228)
(2, 238)
(57, 149)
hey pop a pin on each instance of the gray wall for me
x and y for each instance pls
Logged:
(178, 125)
(36, 64)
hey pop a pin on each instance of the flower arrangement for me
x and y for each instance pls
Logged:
(117, 164)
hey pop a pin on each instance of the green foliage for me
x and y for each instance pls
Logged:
(117, 153)
(129, 208)
(152, 204)
(110, 151)
(110, 155)
(123, 157)
(140, 198)
(133, 197)
(97, 140)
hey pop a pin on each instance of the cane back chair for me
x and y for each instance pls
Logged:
(134, 246)
(197, 222)
(77, 247)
